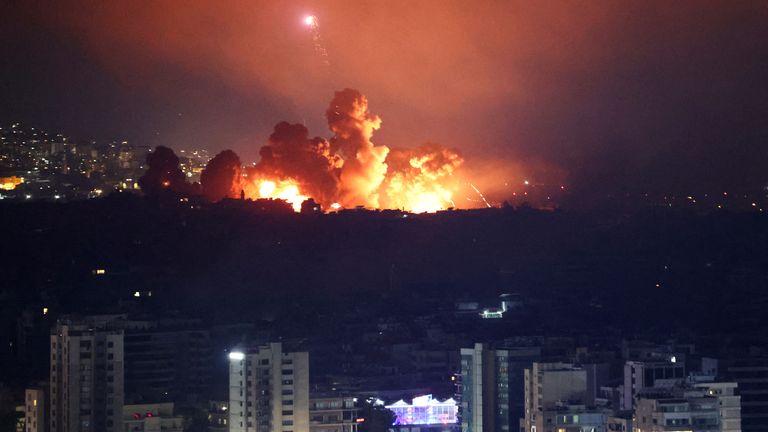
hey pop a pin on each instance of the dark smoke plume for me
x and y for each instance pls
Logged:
(291, 154)
(163, 173)
(221, 177)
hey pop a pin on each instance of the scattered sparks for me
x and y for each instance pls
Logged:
(481, 195)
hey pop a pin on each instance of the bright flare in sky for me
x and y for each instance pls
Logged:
(310, 20)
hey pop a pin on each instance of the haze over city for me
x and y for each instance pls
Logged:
(383, 216)
(607, 97)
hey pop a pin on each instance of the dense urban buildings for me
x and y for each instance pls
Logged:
(36, 165)
(384, 216)
(177, 348)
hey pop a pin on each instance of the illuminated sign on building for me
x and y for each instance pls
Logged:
(424, 411)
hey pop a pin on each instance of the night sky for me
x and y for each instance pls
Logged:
(606, 96)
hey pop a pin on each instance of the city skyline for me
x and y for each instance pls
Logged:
(384, 216)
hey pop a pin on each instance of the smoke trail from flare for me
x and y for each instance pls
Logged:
(314, 26)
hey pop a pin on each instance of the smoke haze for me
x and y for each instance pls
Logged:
(652, 95)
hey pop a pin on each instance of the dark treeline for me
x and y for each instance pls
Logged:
(655, 271)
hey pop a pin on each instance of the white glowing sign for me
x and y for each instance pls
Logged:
(424, 411)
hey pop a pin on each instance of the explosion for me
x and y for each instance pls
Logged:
(287, 190)
(346, 171)
(420, 180)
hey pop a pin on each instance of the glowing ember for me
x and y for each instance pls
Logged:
(335, 206)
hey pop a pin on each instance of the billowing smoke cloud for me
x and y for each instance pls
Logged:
(347, 171)
(364, 168)
(222, 178)
(291, 154)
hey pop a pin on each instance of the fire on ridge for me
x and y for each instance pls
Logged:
(346, 171)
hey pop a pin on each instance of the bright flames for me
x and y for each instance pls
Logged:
(10, 183)
(348, 170)
(417, 195)
(286, 190)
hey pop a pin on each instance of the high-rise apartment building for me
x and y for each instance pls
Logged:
(86, 377)
(751, 374)
(166, 362)
(485, 390)
(268, 390)
(556, 399)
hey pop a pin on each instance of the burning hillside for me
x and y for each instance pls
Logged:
(348, 170)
